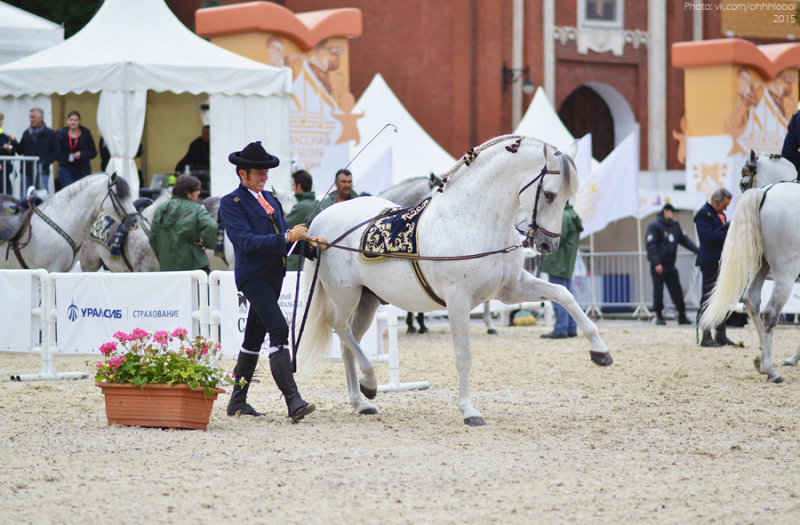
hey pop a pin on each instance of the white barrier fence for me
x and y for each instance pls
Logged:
(75, 313)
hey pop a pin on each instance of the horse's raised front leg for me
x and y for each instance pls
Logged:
(529, 288)
(458, 313)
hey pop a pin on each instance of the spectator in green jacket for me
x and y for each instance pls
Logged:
(560, 266)
(303, 184)
(182, 228)
(344, 189)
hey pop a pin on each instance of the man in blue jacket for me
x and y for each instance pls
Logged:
(254, 223)
(712, 227)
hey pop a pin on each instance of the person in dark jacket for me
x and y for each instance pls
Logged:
(38, 141)
(199, 153)
(76, 149)
(560, 267)
(791, 143)
(662, 239)
(6, 149)
(181, 228)
(712, 227)
(254, 223)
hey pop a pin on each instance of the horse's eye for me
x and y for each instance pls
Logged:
(550, 196)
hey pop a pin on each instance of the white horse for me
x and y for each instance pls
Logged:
(769, 168)
(136, 254)
(468, 253)
(60, 225)
(760, 240)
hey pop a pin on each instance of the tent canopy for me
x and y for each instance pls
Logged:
(23, 33)
(131, 47)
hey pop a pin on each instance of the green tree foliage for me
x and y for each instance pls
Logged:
(73, 15)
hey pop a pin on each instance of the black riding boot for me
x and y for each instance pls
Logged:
(421, 320)
(708, 340)
(660, 318)
(682, 319)
(722, 337)
(410, 323)
(280, 363)
(245, 367)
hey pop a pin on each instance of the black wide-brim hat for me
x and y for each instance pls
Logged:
(253, 156)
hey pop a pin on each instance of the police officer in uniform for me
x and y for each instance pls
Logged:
(255, 224)
(663, 237)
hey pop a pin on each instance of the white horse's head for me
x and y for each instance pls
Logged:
(766, 169)
(545, 196)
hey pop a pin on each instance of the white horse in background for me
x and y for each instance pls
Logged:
(769, 168)
(136, 254)
(761, 240)
(468, 250)
(60, 225)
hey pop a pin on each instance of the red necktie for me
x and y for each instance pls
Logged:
(264, 204)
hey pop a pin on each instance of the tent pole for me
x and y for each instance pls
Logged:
(641, 310)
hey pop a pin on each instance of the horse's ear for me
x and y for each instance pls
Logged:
(752, 155)
(573, 149)
(113, 177)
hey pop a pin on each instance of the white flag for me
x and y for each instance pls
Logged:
(611, 191)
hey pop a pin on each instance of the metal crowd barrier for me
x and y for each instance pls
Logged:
(15, 171)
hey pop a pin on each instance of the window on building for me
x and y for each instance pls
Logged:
(601, 14)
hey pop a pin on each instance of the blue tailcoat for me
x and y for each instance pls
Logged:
(259, 240)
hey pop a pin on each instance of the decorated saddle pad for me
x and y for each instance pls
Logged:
(393, 234)
(108, 232)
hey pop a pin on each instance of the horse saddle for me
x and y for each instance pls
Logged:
(393, 234)
(14, 215)
(109, 232)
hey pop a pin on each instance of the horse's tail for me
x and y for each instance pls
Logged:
(317, 333)
(741, 259)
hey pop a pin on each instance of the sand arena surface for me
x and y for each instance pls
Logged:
(671, 433)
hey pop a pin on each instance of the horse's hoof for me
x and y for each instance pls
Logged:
(787, 363)
(601, 358)
(369, 393)
(491, 331)
(774, 378)
(474, 421)
(368, 411)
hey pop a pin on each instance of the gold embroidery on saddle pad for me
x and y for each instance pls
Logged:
(395, 234)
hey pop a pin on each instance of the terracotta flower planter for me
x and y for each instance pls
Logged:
(158, 405)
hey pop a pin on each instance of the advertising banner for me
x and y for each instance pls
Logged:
(93, 306)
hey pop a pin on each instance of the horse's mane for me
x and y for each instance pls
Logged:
(122, 190)
(569, 181)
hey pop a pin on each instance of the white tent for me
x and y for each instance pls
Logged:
(131, 47)
(392, 157)
(23, 33)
